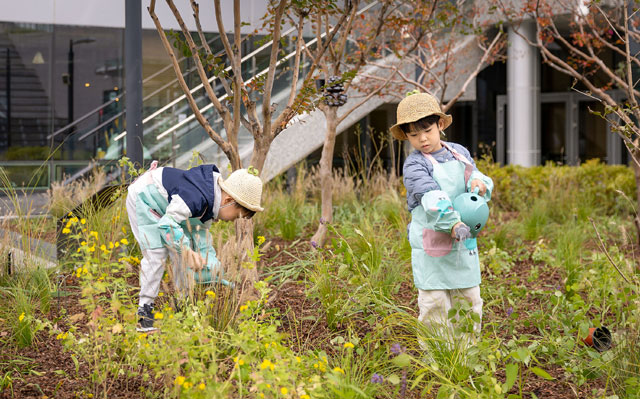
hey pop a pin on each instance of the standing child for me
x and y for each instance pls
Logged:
(444, 255)
(170, 211)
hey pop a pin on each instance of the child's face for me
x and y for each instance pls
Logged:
(427, 140)
(229, 209)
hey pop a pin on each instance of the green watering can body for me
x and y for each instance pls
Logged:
(473, 210)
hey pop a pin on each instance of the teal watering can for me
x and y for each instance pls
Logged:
(473, 210)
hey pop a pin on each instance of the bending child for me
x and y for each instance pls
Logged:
(444, 255)
(170, 211)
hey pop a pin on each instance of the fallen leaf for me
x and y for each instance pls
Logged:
(76, 317)
(116, 328)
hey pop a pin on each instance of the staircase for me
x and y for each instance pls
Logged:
(24, 105)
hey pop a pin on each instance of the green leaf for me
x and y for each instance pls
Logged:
(541, 373)
(511, 373)
(394, 379)
(402, 360)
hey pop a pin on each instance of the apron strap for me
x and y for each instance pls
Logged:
(468, 168)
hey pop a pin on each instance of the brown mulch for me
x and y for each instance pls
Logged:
(47, 370)
(302, 319)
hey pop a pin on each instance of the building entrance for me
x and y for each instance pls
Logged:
(569, 131)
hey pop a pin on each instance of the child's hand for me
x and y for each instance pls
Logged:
(192, 259)
(461, 232)
(482, 189)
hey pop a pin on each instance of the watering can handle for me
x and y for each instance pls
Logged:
(476, 190)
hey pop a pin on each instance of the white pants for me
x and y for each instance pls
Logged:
(434, 305)
(153, 261)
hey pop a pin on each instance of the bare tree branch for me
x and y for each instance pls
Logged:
(367, 98)
(226, 148)
(273, 58)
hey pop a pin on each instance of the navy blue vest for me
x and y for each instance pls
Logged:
(195, 186)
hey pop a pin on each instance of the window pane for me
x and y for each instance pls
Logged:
(553, 132)
(592, 136)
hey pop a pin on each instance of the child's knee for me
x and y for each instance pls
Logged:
(432, 302)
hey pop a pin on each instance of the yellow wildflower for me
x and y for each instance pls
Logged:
(266, 363)
(187, 385)
(201, 386)
(94, 234)
(179, 380)
(339, 370)
(21, 317)
(158, 316)
(261, 395)
(243, 308)
(240, 362)
(298, 359)
(103, 248)
(348, 345)
(160, 293)
(66, 231)
(315, 365)
(74, 220)
(110, 245)
(124, 241)
(305, 396)
(268, 385)
(83, 220)
(92, 248)
(211, 294)
(284, 390)
(261, 240)
(117, 244)
(83, 243)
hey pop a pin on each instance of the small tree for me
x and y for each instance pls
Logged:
(590, 30)
(338, 68)
(241, 108)
(435, 48)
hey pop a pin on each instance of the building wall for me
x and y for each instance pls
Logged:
(110, 14)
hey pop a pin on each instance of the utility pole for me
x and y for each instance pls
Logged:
(133, 80)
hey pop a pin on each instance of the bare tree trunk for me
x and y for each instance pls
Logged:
(260, 149)
(326, 176)
(238, 266)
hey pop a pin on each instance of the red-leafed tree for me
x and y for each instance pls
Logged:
(599, 42)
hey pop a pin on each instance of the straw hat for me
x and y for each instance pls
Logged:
(415, 107)
(245, 187)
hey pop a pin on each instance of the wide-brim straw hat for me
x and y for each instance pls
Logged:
(415, 107)
(245, 188)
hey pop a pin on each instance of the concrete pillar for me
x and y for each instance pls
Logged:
(523, 97)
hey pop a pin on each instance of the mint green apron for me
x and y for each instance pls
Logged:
(150, 208)
(439, 261)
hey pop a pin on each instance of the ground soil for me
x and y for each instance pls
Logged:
(48, 371)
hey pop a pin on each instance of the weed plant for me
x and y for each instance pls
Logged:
(546, 281)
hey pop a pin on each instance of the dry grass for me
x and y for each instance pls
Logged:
(63, 198)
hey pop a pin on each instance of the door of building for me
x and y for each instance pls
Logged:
(570, 132)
